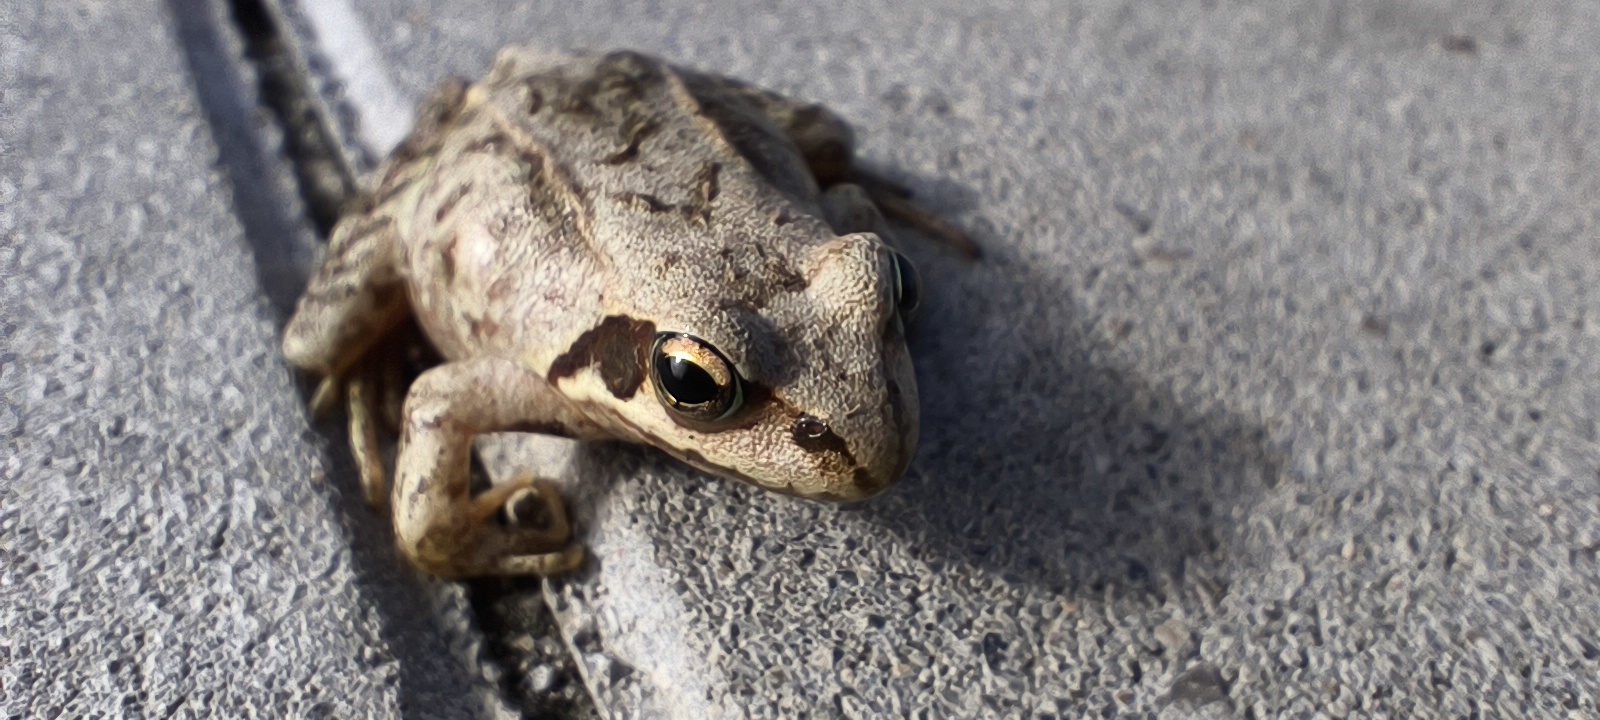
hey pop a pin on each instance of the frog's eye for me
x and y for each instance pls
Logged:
(693, 379)
(907, 287)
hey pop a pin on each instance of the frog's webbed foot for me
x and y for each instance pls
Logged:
(535, 516)
(529, 503)
(442, 527)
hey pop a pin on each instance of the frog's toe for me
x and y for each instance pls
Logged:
(516, 528)
(326, 396)
(530, 508)
(526, 504)
(519, 551)
(559, 562)
(364, 443)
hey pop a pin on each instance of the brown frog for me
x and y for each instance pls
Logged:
(611, 247)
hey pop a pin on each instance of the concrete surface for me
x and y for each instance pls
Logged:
(1274, 397)
(169, 543)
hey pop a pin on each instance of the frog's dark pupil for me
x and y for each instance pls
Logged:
(688, 383)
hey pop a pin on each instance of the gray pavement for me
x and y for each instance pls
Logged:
(170, 545)
(1275, 395)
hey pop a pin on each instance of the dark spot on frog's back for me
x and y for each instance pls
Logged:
(535, 101)
(447, 259)
(707, 188)
(638, 129)
(617, 348)
(625, 70)
(448, 205)
(618, 79)
(480, 328)
(494, 143)
(439, 110)
(643, 202)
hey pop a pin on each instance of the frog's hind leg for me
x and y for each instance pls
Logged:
(824, 139)
(354, 300)
(828, 146)
(849, 209)
(357, 296)
(895, 203)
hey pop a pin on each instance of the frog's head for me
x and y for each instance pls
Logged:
(805, 387)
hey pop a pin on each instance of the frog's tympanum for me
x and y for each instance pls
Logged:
(611, 247)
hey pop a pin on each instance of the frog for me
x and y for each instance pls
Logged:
(611, 247)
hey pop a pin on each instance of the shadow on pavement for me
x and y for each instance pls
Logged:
(1044, 461)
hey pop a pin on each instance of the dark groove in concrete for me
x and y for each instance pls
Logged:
(430, 681)
(506, 611)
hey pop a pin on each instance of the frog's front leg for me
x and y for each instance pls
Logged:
(441, 526)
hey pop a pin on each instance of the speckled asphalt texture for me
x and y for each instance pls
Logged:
(1277, 392)
(170, 544)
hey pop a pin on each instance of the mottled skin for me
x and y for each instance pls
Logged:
(545, 225)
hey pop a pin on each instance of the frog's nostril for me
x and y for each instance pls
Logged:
(814, 435)
(810, 428)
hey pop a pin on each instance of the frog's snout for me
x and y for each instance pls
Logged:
(890, 468)
(877, 455)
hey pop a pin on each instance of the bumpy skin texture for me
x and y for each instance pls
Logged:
(546, 225)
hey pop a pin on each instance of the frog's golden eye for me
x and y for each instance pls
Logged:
(907, 288)
(693, 379)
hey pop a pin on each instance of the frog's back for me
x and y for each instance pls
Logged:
(564, 189)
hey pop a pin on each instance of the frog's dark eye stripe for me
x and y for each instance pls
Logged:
(693, 379)
(907, 288)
